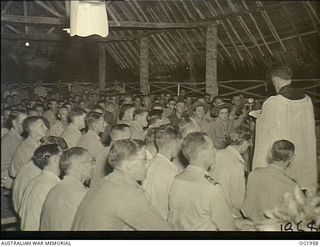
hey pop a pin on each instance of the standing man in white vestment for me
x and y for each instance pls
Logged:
(47, 158)
(290, 116)
(162, 171)
(72, 134)
(63, 200)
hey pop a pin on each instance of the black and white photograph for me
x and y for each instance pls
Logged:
(160, 119)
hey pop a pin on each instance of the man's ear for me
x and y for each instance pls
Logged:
(15, 123)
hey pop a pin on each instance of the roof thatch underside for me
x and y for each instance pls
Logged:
(283, 32)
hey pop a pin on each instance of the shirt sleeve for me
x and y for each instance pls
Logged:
(220, 211)
(137, 212)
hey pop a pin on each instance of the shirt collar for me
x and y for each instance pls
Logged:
(90, 132)
(73, 181)
(50, 174)
(197, 169)
(74, 127)
(167, 161)
(235, 153)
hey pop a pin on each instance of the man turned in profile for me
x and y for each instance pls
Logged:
(118, 202)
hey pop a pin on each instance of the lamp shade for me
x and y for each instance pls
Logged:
(88, 18)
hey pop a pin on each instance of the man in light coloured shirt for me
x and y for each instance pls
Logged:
(267, 185)
(199, 110)
(29, 171)
(9, 144)
(50, 114)
(103, 168)
(63, 199)
(47, 158)
(139, 122)
(36, 127)
(91, 140)
(72, 134)
(229, 169)
(62, 124)
(126, 114)
(162, 171)
(118, 202)
(196, 201)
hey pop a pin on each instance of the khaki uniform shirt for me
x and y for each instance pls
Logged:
(229, 173)
(71, 135)
(117, 203)
(61, 205)
(91, 141)
(22, 155)
(9, 144)
(33, 199)
(57, 128)
(161, 173)
(28, 172)
(265, 190)
(221, 132)
(196, 202)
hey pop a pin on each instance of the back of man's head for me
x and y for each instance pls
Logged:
(54, 140)
(154, 116)
(120, 132)
(124, 150)
(282, 150)
(43, 153)
(165, 136)
(68, 155)
(193, 143)
(283, 72)
(92, 119)
(76, 113)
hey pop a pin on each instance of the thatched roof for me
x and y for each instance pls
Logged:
(250, 33)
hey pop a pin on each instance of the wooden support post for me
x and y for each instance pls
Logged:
(144, 66)
(102, 66)
(211, 61)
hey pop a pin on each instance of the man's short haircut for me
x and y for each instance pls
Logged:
(282, 150)
(154, 115)
(76, 112)
(92, 117)
(31, 120)
(240, 134)
(283, 72)
(165, 134)
(13, 116)
(123, 150)
(54, 140)
(138, 112)
(68, 155)
(52, 100)
(43, 153)
(124, 109)
(119, 127)
(193, 143)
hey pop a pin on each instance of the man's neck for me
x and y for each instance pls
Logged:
(178, 114)
(199, 164)
(76, 176)
(35, 137)
(76, 126)
(53, 168)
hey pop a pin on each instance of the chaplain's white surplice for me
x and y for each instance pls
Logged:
(293, 120)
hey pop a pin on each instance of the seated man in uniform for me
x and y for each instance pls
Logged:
(63, 199)
(72, 134)
(118, 202)
(196, 201)
(267, 185)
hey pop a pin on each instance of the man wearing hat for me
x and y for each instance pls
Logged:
(222, 125)
(198, 112)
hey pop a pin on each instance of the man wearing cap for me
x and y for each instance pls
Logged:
(288, 115)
